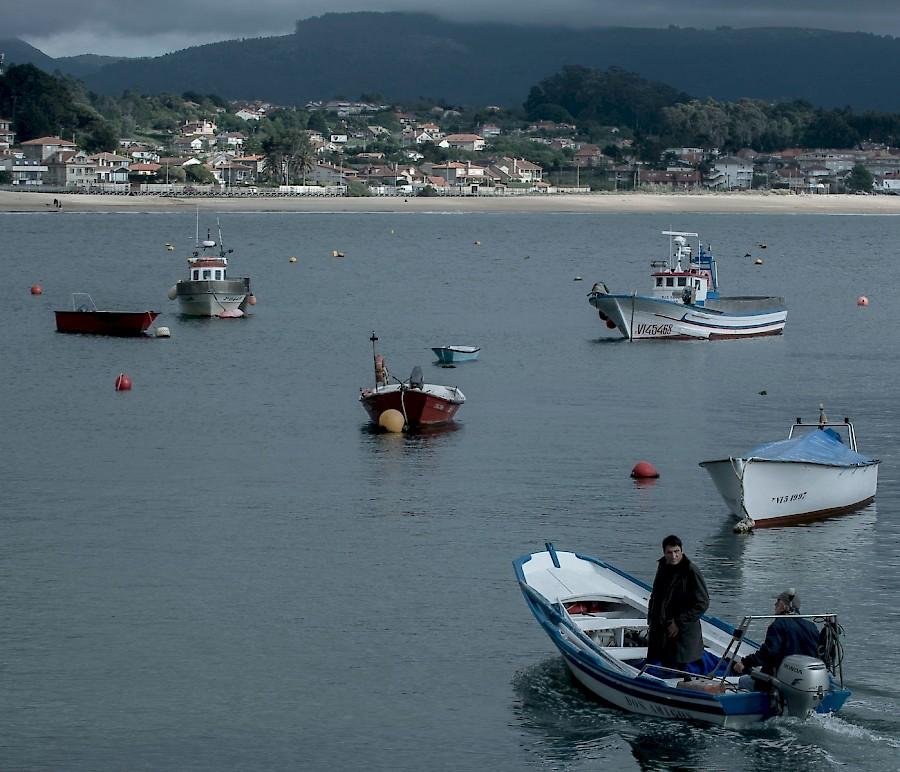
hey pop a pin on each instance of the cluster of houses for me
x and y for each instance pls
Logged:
(343, 158)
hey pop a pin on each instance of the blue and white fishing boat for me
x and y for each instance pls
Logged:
(817, 472)
(596, 615)
(452, 354)
(684, 302)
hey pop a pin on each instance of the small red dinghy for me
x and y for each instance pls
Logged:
(85, 318)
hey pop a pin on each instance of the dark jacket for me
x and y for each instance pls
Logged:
(786, 635)
(679, 595)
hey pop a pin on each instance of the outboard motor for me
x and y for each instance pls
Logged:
(416, 379)
(803, 683)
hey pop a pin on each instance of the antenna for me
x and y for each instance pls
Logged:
(222, 252)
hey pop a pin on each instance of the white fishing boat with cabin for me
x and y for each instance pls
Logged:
(684, 301)
(208, 291)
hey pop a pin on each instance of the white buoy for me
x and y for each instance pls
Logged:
(173, 292)
(163, 332)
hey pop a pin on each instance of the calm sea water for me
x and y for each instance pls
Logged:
(223, 569)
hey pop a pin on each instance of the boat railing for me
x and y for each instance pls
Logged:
(81, 301)
(845, 424)
(829, 638)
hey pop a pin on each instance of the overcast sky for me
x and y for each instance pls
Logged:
(154, 27)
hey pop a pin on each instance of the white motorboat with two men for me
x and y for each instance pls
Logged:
(684, 301)
(817, 472)
(596, 616)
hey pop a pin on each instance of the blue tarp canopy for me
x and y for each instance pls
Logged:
(817, 447)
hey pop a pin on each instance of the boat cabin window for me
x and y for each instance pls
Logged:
(196, 274)
(207, 273)
(697, 283)
(659, 281)
(682, 281)
(218, 275)
(670, 282)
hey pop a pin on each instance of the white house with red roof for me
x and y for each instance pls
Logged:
(471, 142)
(42, 148)
(70, 169)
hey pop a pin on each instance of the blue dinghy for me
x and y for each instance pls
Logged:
(452, 354)
(596, 615)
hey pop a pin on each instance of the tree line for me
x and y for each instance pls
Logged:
(659, 116)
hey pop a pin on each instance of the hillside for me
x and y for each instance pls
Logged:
(404, 56)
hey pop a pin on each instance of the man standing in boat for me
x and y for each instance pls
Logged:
(678, 600)
(787, 635)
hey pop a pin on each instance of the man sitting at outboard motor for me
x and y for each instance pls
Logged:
(787, 635)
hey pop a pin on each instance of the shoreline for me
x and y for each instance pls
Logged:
(649, 203)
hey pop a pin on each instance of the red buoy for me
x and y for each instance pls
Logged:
(862, 300)
(644, 470)
(611, 324)
(123, 382)
(37, 289)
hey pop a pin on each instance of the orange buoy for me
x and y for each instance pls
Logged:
(644, 470)
(862, 300)
(37, 289)
(123, 382)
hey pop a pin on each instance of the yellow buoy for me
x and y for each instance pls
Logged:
(292, 260)
(391, 420)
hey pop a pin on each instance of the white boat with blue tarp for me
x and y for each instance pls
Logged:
(817, 472)
(684, 301)
(596, 616)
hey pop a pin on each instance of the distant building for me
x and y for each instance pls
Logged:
(42, 148)
(7, 135)
(730, 173)
(471, 142)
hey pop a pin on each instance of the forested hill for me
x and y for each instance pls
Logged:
(17, 51)
(403, 56)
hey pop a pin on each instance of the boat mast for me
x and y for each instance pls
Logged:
(374, 339)
(222, 252)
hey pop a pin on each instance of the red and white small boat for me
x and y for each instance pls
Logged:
(420, 403)
(86, 319)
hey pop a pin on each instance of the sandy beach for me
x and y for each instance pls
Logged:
(733, 203)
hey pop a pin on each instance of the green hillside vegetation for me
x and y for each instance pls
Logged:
(42, 105)
(662, 117)
(407, 56)
(605, 107)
